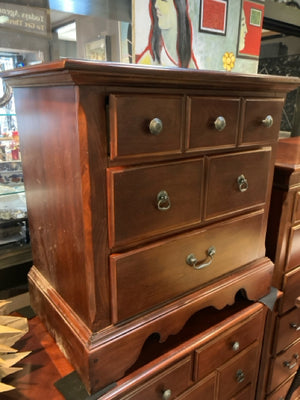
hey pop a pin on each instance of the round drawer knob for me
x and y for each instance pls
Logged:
(235, 346)
(166, 394)
(268, 121)
(155, 126)
(240, 375)
(220, 123)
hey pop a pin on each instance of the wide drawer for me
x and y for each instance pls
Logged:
(174, 380)
(291, 289)
(237, 182)
(145, 124)
(219, 351)
(245, 394)
(284, 366)
(282, 392)
(257, 121)
(239, 372)
(150, 200)
(160, 272)
(213, 122)
(287, 330)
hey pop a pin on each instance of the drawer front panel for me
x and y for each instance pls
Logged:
(282, 392)
(239, 372)
(257, 111)
(146, 201)
(288, 329)
(175, 379)
(291, 289)
(216, 353)
(296, 212)
(285, 365)
(159, 273)
(203, 390)
(228, 191)
(294, 248)
(130, 131)
(245, 394)
(213, 122)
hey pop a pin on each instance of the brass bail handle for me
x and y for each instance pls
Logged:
(163, 201)
(7, 95)
(192, 261)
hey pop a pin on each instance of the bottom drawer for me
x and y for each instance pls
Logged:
(172, 381)
(238, 372)
(284, 366)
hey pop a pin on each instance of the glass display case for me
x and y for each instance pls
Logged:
(15, 249)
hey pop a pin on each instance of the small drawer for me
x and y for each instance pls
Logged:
(148, 201)
(213, 122)
(237, 182)
(217, 352)
(262, 120)
(284, 366)
(291, 289)
(293, 259)
(145, 125)
(204, 389)
(162, 271)
(239, 372)
(172, 381)
(296, 211)
(287, 330)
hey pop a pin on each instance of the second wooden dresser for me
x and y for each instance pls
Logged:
(148, 194)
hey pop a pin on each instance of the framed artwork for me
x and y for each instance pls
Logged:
(213, 16)
(98, 50)
(251, 21)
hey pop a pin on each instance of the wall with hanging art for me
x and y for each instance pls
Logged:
(205, 34)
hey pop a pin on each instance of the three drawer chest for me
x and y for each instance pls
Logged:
(148, 193)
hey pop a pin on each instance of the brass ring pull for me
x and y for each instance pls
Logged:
(295, 326)
(192, 261)
(163, 201)
(240, 375)
(290, 364)
(220, 123)
(155, 126)
(242, 183)
(268, 121)
(166, 395)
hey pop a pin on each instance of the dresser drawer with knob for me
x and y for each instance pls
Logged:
(262, 120)
(284, 365)
(167, 385)
(150, 200)
(239, 372)
(213, 123)
(173, 267)
(145, 125)
(219, 351)
(288, 329)
(236, 182)
(293, 257)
